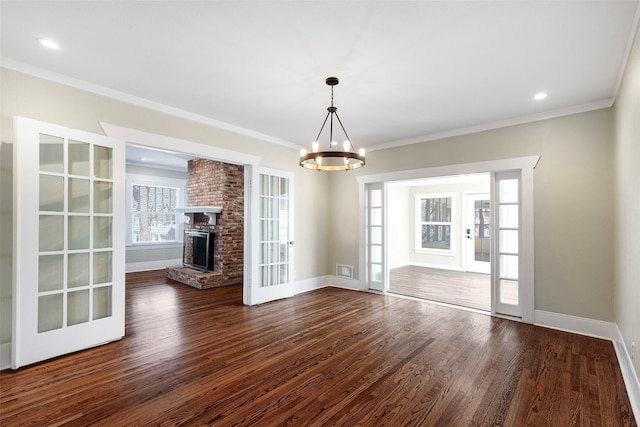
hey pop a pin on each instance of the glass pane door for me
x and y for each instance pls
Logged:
(507, 231)
(272, 211)
(69, 289)
(375, 237)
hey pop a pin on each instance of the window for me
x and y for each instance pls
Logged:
(434, 222)
(153, 216)
(151, 209)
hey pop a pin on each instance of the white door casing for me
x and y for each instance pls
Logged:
(69, 282)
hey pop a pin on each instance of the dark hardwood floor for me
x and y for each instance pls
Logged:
(327, 357)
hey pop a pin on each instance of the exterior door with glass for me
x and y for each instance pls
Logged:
(69, 241)
(477, 233)
(272, 236)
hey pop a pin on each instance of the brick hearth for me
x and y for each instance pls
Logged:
(194, 278)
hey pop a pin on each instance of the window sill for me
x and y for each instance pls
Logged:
(435, 252)
(153, 245)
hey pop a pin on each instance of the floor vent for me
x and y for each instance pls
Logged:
(344, 271)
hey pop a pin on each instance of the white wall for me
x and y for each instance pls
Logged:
(400, 232)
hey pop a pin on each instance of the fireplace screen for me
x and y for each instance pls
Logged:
(197, 252)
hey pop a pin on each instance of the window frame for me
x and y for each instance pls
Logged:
(154, 181)
(418, 223)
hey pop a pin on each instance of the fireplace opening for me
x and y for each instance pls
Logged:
(197, 251)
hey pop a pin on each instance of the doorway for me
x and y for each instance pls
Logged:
(262, 231)
(439, 239)
(511, 253)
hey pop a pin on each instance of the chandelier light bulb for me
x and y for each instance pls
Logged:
(303, 152)
(319, 160)
(346, 145)
(361, 151)
(334, 143)
(315, 146)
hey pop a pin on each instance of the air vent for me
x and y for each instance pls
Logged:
(344, 271)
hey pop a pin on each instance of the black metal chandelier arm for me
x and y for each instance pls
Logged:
(322, 127)
(345, 132)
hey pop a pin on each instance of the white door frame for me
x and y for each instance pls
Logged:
(525, 165)
(166, 143)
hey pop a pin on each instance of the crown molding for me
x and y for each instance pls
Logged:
(576, 109)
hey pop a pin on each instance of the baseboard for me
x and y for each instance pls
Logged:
(577, 325)
(5, 355)
(306, 285)
(344, 283)
(133, 267)
(629, 374)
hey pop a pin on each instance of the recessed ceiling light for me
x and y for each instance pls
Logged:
(48, 43)
(540, 96)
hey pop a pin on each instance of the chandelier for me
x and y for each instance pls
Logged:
(333, 159)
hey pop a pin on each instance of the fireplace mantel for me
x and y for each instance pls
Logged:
(209, 211)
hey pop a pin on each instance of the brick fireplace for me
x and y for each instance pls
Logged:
(212, 183)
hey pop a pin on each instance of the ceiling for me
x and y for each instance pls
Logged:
(409, 70)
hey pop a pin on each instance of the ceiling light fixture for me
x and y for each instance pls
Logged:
(49, 43)
(332, 160)
(540, 96)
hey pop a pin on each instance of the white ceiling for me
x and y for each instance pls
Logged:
(409, 70)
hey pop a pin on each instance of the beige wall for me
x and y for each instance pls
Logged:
(573, 202)
(39, 99)
(627, 249)
(6, 239)
(573, 185)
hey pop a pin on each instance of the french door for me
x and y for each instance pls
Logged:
(375, 237)
(272, 224)
(69, 241)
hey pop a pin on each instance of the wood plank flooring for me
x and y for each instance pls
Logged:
(323, 358)
(453, 287)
